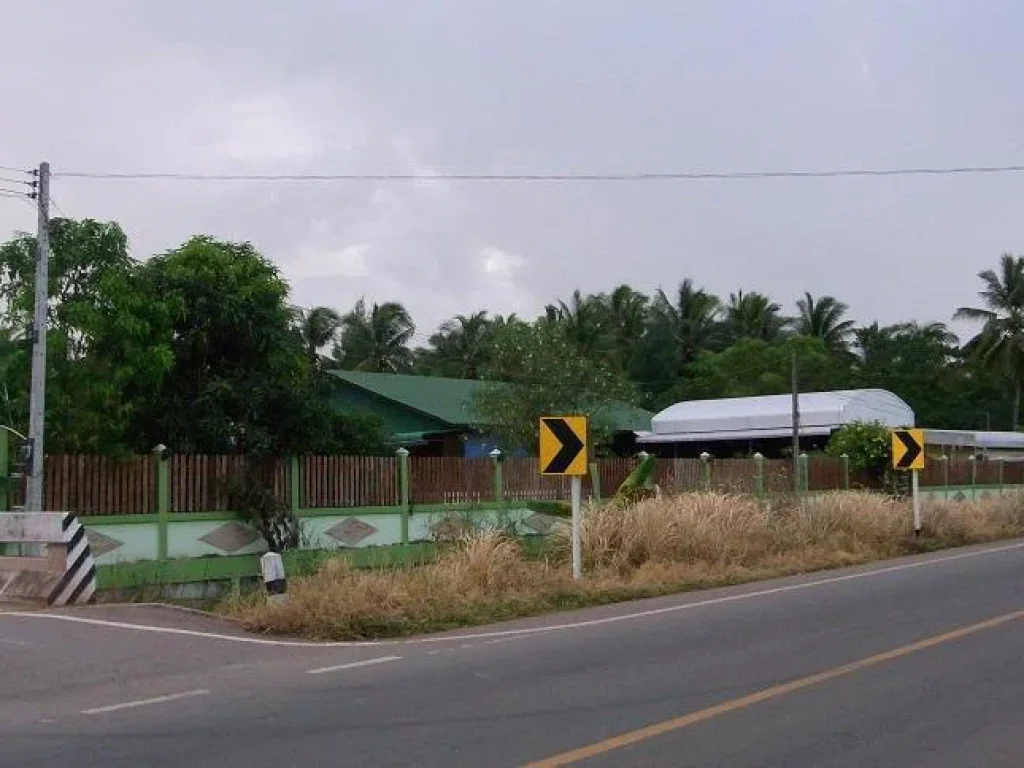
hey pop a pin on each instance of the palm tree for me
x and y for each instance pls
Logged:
(1000, 343)
(628, 312)
(583, 322)
(377, 339)
(823, 319)
(691, 321)
(461, 347)
(319, 327)
(753, 316)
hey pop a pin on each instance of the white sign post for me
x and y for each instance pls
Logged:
(577, 521)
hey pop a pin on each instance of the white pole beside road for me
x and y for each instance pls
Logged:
(917, 502)
(577, 514)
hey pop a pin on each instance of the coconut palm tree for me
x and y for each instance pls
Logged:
(753, 316)
(583, 321)
(823, 319)
(319, 327)
(376, 339)
(628, 315)
(691, 320)
(1000, 343)
(460, 348)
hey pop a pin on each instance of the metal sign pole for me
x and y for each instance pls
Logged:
(577, 514)
(917, 502)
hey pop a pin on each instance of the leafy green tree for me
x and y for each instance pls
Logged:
(628, 312)
(545, 375)
(753, 316)
(824, 319)
(376, 339)
(1000, 344)
(691, 320)
(584, 321)
(460, 349)
(319, 327)
(869, 448)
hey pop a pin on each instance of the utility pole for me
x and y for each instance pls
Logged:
(37, 397)
(796, 427)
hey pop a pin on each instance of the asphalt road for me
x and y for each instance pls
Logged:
(916, 662)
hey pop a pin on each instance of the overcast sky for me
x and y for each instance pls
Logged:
(408, 86)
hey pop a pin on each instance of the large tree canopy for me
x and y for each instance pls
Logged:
(202, 349)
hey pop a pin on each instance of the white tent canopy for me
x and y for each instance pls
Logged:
(770, 416)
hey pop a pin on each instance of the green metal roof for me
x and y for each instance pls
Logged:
(451, 400)
(447, 400)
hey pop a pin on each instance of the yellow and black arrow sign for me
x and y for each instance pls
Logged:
(563, 445)
(908, 449)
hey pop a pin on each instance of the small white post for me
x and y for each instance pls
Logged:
(577, 514)
(917, 502)
(273, 576)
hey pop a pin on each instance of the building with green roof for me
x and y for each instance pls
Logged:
(433, 416)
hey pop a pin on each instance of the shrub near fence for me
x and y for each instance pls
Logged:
(96, 485)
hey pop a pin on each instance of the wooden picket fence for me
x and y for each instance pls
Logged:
(97, 485)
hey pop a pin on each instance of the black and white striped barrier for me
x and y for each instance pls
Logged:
(61, 570)
(273, 576)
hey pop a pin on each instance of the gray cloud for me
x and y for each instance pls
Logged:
(461, 86)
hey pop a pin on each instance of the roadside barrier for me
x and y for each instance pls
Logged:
(54, 565)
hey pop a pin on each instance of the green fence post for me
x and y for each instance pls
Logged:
(163, 502)
(846, 471)
(945, 475)
(803, 464)
(403, 491)
(705, 460)
(5, 470)
(974, 476)
(1002, 465)
(499, 480)
(294, 484)
(759, 473)
(595, 480)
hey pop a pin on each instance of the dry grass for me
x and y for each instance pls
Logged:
(656, 547)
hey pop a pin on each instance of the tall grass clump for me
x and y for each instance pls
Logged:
(655, 546)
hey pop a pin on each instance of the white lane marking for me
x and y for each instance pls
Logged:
(5, 641)
(582, 624)
(353, 665)
(145, 702)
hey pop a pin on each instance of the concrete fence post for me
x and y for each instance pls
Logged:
(803, 463)
(162, 469)
(403, 491)
(5, 470)
(945, 475)
(705, 460)
(499, 480)
(1002, 467)
(759, 474)
(595, 480)
(845, 458)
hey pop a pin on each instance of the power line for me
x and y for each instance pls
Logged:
(551, 177)
(16, 181)
(14, 192)
(12, 169)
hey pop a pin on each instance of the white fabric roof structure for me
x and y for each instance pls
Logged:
(771, 416)
(973, 439)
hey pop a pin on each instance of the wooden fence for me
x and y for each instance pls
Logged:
(96, 485)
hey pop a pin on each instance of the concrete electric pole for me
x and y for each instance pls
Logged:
(37, 395)
(796, 425)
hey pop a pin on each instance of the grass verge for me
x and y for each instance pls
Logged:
(658, 547)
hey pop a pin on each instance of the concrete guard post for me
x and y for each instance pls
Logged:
(63, 573)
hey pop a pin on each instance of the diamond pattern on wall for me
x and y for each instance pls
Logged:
(100, 543)
(985, 495)
(540, 523)
(231, 537)
(959, 496)
(350, 531)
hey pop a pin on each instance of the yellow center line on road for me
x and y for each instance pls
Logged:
(675, 724)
